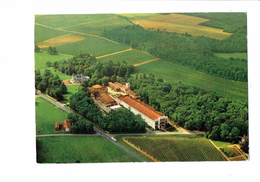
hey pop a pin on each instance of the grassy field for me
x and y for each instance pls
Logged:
(46, 116)
(177, 148)
(174, 73)
(131, 57)
(41, 58)
(72, 89)
(221, 143)
(43, 33)
(178, 23)
(62, 76)
(91, 45)
(234, 55)
(91, 149)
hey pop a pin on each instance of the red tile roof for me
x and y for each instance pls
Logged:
(141, 107)
(130, 92)
(105, 98)
(67, 124)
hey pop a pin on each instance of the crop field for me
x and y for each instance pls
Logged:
(91, 149)
(174, 73)
(41, 58)
(46, 116)
(177, 149)
(181, 24)
(234, 55)
(44, 33)
(91, 45)
(131, 57)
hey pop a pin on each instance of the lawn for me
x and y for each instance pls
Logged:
(91, 149)
(174, 73)
(72, 89)
(61, 75)
(91, 45)
(41, 58)
(234, 55)
(46, 116)
(221, 143)
(131, 57)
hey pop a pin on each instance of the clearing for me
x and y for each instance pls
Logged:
(91, 149)
(234, 55)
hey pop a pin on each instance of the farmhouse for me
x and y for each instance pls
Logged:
(66, 125)
(78, 78)
(152, 117)
(106, 99)
(57, 126)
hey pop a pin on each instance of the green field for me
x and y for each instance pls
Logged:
(137, 16)
(72, 89)
(221, 143)
(131, 57)
(99, 25)
(91, 45)
(91, 149)
(174, 73)
(41, 58)
(234, 55)
(61, 75)
(178, 149)
(46, 116)
(43, 33)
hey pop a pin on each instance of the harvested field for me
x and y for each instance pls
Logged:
(60, 40)
(182, 24)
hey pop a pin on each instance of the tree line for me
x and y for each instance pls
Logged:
(121, 120)
(50, 84)
(194, 108)
(79, 125)
(99, 72)
(184, 49)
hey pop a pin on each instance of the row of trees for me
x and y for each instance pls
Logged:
(50, 84)
(79, 125)
(194, 108)
(99, 72)
(121, 120)
(193, 52)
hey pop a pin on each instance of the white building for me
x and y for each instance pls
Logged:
(78, 78)
(152, 117)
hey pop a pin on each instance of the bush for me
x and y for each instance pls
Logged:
(228, 152)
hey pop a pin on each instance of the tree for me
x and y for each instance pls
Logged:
(36, 48)
(48, 64)
(234, 134)
(224, 133)
(63, 88)
(50, 50)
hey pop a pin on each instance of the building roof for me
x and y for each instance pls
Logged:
(130, 92)
(115, 107)
(141, 107)
(97, 86)
(105, 98)
(67, 124)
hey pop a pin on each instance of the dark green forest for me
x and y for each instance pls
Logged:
(194, 108)
(186, 50)
(118, 121)
(50, 84)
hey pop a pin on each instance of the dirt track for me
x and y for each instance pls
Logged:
(114, 53)
(138, 64)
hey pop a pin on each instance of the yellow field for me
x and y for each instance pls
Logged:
(181, 24)
(60, 40)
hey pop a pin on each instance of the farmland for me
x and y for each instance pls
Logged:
(177, 149)
(234, 55)
(179, 23)
(92, 45)
(89, 149)
(174, 73)
(131, 57)
(41, 58)
(46, 116)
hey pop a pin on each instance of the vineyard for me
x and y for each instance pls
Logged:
(175, 149)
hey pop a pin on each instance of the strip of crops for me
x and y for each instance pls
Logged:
(164, 149)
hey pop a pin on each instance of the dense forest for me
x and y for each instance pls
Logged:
(121, 120)
(50, 84)
(100, 73)
(186, 50)
(194, 108)
(79, 125)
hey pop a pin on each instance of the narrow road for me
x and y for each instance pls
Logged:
(114, 53)
(138, 64)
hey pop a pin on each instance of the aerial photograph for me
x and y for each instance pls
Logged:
(141, 87)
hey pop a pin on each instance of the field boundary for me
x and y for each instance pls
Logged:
(219, 150)
(151, 60)
(114, 53)
(137, 148)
